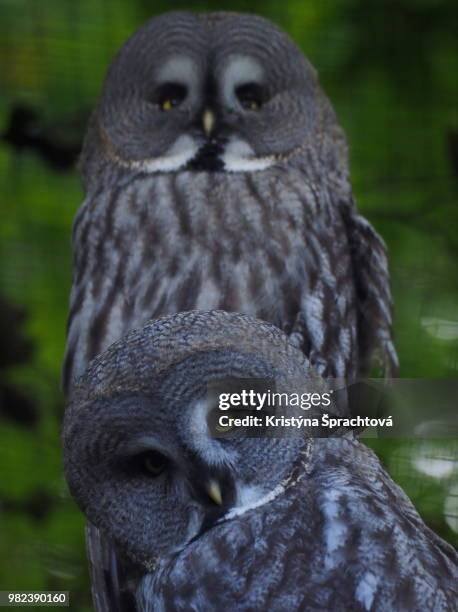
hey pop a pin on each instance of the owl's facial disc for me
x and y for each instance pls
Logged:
(212, 116)
(205, 93)
(212, 142)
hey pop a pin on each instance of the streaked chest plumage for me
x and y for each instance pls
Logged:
(254, 243)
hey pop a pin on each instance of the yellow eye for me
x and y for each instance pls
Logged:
(169, 95)
(167, 105)
(251, 96)
(154, 462)
(223, 428)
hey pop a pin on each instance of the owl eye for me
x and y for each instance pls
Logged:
(170, 95)
(154, 462)
(223, 428)
(214, 424)
(251, 96)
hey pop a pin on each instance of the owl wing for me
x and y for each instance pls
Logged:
(322, 330)
(345, 313)
(103, 571)
(373, 292)
(113, 580)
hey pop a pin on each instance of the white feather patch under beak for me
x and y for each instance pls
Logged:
(239, 157)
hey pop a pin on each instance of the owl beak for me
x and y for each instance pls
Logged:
(214, 492)
(208, 122)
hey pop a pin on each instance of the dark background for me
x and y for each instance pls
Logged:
(391, 69)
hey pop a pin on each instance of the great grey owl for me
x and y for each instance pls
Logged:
(237, 524)
(216, 177)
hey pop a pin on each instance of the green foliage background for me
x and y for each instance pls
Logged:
(391, 69)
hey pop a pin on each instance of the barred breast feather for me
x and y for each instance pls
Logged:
(264, 244)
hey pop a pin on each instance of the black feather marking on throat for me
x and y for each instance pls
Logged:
(208, 158)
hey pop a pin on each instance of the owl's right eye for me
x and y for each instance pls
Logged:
(170, 95)
(222, 427)
(154, 462)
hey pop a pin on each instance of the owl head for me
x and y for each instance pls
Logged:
(140, 456)
(207, 92)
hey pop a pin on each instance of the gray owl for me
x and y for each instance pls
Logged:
(216, 177)
(206, 524)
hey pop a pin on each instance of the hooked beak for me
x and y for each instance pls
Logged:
(208, 122)
(213, 490)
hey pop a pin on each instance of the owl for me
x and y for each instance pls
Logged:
(216, 177)
(205, 523)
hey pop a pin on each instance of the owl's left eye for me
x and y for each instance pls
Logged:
(170, 95)
(251, 96)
